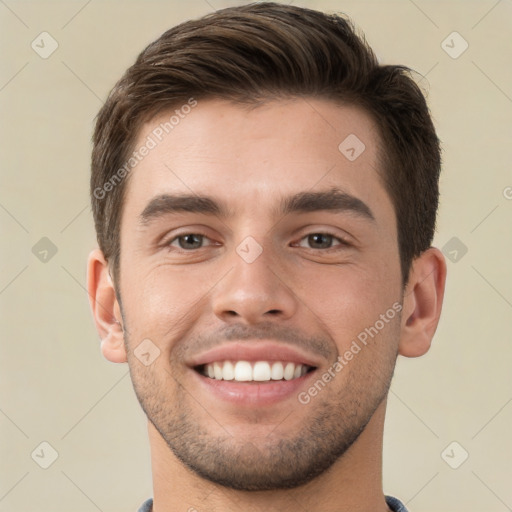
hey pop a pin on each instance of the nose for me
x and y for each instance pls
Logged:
(255, 291)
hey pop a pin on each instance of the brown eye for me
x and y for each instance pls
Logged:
(320, 240)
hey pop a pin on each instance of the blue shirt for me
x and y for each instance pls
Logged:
(394, 504)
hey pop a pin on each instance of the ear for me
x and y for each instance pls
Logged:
(105, 308)
(423, 300)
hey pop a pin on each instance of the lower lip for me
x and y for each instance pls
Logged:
(253, 393)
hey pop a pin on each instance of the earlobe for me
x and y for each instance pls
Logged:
(105, 308)
(423, 300)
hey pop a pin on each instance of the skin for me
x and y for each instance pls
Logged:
(208, 454)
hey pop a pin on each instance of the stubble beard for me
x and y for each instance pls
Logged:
(334, 420)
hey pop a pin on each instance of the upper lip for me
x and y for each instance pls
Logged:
(258, 351)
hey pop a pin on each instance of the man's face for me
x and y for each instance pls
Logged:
(257, 283)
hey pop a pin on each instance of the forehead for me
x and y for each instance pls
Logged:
(251, 155)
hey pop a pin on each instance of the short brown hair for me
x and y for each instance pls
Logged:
(253, 53)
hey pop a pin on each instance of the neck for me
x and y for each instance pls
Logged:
(352, 484)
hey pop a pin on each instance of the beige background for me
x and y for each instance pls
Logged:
(56, 387)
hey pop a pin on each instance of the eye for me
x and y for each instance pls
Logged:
(322, 241)
(188, 241)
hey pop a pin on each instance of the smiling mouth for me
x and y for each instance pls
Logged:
(257, 371)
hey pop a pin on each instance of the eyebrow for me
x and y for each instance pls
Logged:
(330, 200)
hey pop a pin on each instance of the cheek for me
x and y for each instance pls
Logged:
(163, 302)
(347, 300)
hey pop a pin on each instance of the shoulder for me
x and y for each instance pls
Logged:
(395, 504)
(147, 506)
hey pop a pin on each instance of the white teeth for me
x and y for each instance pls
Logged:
(244, 371)
(261, 371)
(289, 370)
(217, 371)
(277, 371)
(228, 371)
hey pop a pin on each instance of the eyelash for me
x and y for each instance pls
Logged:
(343, 242)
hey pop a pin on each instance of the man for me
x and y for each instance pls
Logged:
(304, 176)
